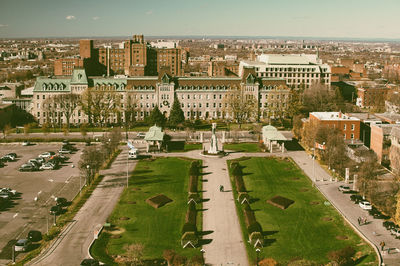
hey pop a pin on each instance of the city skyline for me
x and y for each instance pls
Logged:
(340, 19)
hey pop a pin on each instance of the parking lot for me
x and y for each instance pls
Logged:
(36, 192)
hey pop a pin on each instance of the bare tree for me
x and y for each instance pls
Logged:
(67, 104)
(240, 106)
(134, 252)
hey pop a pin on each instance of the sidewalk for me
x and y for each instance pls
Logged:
(72, 245)
(373, 231)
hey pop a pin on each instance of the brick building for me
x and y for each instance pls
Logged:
(380, 140)
(133, 57)
(349, 126)
(370, 97)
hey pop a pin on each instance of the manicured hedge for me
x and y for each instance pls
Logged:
(158, 201)
(193, 180)
(240, 187)
(280, 202)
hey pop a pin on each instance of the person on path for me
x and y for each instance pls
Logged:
(221, 188)
(359, 220)
(382, 244)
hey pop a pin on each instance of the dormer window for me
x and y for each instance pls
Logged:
(79, 76)
(44, 87)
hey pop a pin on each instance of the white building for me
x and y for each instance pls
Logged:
(297, 69)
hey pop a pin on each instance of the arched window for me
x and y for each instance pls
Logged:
(44, 87)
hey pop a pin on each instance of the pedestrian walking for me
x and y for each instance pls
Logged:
(221, 188)
(359, 220)
(382, 244)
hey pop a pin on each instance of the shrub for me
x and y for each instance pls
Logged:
(189, 237)
(194, 169)
(189, 227)
(191, 214)
(169, 255)
(158, 201)
(237, 170)
(179, 260)
(249, 217)
(254, 227)
(280, 202)
(268, 262)
(243, 197)
(193, 181)
(240, 187)
(342, 256)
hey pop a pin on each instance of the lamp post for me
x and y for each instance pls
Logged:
(88, 173)
(202, 253)
(257, 252)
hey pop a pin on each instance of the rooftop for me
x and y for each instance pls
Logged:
(334, 116)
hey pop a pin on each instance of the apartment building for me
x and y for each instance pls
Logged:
(200, 97)
(348, 125)
(299, 70)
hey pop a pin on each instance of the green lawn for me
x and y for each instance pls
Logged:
(245, 147)
(156, 229)
(182, 146)
(301, 230)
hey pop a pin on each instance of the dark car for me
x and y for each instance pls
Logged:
(55, 210)
(34, 236)
(89, 262)
(356, 198)
(28, 168)
(388, 225)
(61, 202)
(6, 158)
(2, 164)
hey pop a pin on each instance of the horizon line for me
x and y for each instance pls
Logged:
(216, 36)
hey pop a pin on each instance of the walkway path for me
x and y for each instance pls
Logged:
(72, 245)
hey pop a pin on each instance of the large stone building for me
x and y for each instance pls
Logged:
(200, 97)
(299, 70)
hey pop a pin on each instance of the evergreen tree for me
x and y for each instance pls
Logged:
(176, 115)
(156, 117)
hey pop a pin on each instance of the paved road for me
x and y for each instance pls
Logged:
(72, 245)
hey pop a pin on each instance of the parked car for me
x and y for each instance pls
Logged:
(22, 245)
(10, 191)
(55, 210)
(34, 235)
(140, 135)
(69, 147)
(61, 202)
(344, 188)
(47, 166)
(5, 195)
(8, 158)
(27, 168)
(389, 225)
(64, 151)
(395, 232)
(365, 205)
(2, 164)
(89, 262)
(12, 154)
(356, 198)
(65, 142)
(40, 160)
(47, 154)
(35, 162)
(26, 143)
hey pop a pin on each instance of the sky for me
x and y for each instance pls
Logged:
(298, 18)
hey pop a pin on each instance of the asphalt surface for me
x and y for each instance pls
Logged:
(72, 245)
(25, 213)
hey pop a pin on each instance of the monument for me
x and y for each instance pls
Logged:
(214, 143)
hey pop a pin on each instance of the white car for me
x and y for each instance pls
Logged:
(22, 245)
(64, 151)
(365, 205)
(26, 143)
(140, 135)
(9, 190)
(47, 154)
(395, 232)
(47, 166)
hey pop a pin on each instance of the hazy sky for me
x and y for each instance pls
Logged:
(306, 18)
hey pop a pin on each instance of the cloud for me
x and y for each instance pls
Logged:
(70, 17)
(3, 25)
(95, 18)
(150, 12)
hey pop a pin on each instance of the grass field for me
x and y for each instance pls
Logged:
(308, 229)
(244, 147)
(156, 229)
